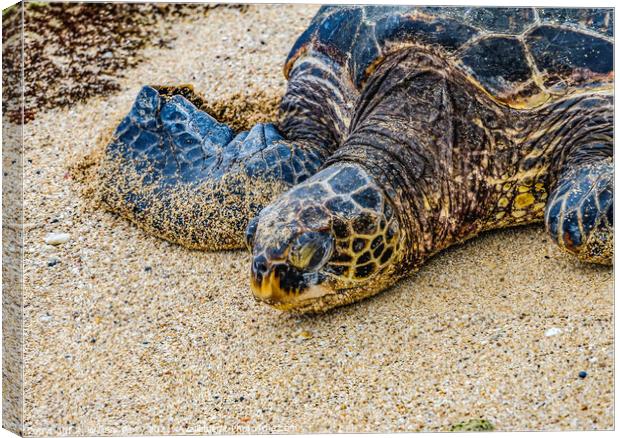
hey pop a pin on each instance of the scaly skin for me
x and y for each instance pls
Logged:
(449, 160)
(458, 163)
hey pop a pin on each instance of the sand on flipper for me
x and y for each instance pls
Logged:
(128, 334)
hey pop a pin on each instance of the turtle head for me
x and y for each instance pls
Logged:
(331, 240)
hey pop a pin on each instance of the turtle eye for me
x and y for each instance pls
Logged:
(250, 231)
(311, 250)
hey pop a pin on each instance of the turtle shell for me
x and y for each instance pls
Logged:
(522, 57)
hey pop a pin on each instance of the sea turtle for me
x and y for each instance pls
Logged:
(403, 130)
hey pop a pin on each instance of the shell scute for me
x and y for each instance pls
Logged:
(374, 13)
(500, 20)
(301, 45)
(383, 35)
(600, 20)
(498, 63)
(423, 29)
(568, 58)
(336, 34)
(365, 52)
(523, 57)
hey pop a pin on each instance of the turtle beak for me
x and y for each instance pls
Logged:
(267, 289)
(282, 286)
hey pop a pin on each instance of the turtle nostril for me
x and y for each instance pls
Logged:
(259, 266)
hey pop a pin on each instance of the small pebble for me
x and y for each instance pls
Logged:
(57, 238)
(53, 262)
(583, 374)
(301, 336)
(553, 331)
(304, 334)
(147, 269)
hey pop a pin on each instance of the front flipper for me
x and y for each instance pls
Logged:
(579, 214)
(181, 175)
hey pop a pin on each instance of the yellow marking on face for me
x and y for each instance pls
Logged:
(518, 213)
(523, 189)
(543, 196)
(270, 291)
(523, 200)
(503, 202)
(507, 187)
(539, 206)
(500, 215)
(539, 187)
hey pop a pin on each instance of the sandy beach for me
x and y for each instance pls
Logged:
(128, 334)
